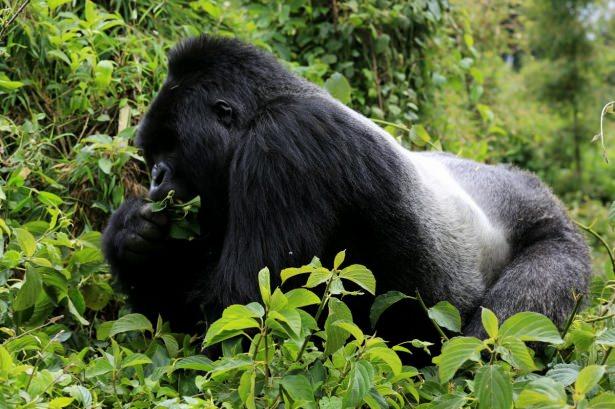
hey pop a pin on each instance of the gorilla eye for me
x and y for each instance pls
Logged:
(224, 112)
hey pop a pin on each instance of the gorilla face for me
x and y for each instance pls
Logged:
(186, 126)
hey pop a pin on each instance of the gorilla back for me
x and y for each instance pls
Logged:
(285, 172)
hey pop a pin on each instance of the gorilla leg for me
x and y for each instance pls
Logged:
(542, 277)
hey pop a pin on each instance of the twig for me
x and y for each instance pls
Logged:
(599, 237)
(6, 26)
(577, 305)
(601, 134)
(435, 324)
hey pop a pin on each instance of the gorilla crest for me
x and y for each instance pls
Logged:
(286, 172)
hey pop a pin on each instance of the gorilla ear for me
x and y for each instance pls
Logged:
(224, 111)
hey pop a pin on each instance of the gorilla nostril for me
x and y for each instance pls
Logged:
(159, 177)
(159, 174)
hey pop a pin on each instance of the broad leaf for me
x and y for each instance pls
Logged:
(388, 356)
(130, 322)
(299, 389)
(588, 378)
(542, 393)
(336, 337)
(361, 276)
(264, 284)
(339, 87)
(565, 374)
(382, 303)
(29, 291)
(360, 382)
(26, 241)
(300, 297)
(493, 388)
(531, 326)
(490, 322)
(446, 315)
(455, 353)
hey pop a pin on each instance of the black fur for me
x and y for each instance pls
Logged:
(285, 173)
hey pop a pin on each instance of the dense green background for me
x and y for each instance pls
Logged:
(518, 81)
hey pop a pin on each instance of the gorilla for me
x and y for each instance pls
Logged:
(286, 172)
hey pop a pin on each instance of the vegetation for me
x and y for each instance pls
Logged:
(486, 80)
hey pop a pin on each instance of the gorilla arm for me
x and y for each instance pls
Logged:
(155, 271)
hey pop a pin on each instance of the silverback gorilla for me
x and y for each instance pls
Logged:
(286, 172)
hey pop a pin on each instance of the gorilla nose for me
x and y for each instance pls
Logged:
(161, 174)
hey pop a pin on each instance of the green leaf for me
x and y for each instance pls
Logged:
(388, 356)
(607, 338)
(490, 322)
(29, 291)
(446, 315)
(605, 400)
(7, 85)
(103, 74)
(333, 402)
(49, 199)
(339, 87)
(105, 165)
(294, 271)
(247, 384)
(61, 402)
(382, 303)
(263, 284)
(98, 367)
(493, 388)
(300, 297)
(226, 328)
(230, 364)
(516, 353)
(289, 319)
(318, 277)
(542, 393)
(455, 353)
(26, 241)
(130, 322)
(195, 363)
(238, 311)
(299, 389)
(135, 360)
(336, 337)
(419, 135)
(360, 381)
(6, 362)
(565, 374)
(531, 326)
(171, 344)
(339, 259)
(361, 276)
(351, 328)
(588, 378)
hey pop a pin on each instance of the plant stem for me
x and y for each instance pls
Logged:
(601, 239)
(577, 305)
(321, 307)
(435, 324)
(606, 356)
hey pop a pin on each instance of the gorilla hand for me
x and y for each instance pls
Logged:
(135, 234)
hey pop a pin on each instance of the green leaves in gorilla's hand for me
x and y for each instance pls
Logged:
(184, 216)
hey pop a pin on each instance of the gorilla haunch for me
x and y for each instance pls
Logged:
(286, 172)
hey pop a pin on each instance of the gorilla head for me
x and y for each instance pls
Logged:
(194, 125)
(285, 172)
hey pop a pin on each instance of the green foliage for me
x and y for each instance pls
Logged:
(75, 78)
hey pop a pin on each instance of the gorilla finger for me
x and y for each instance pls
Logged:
(139, 244)
(159, 218)
(134, 257)
(150, 231)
